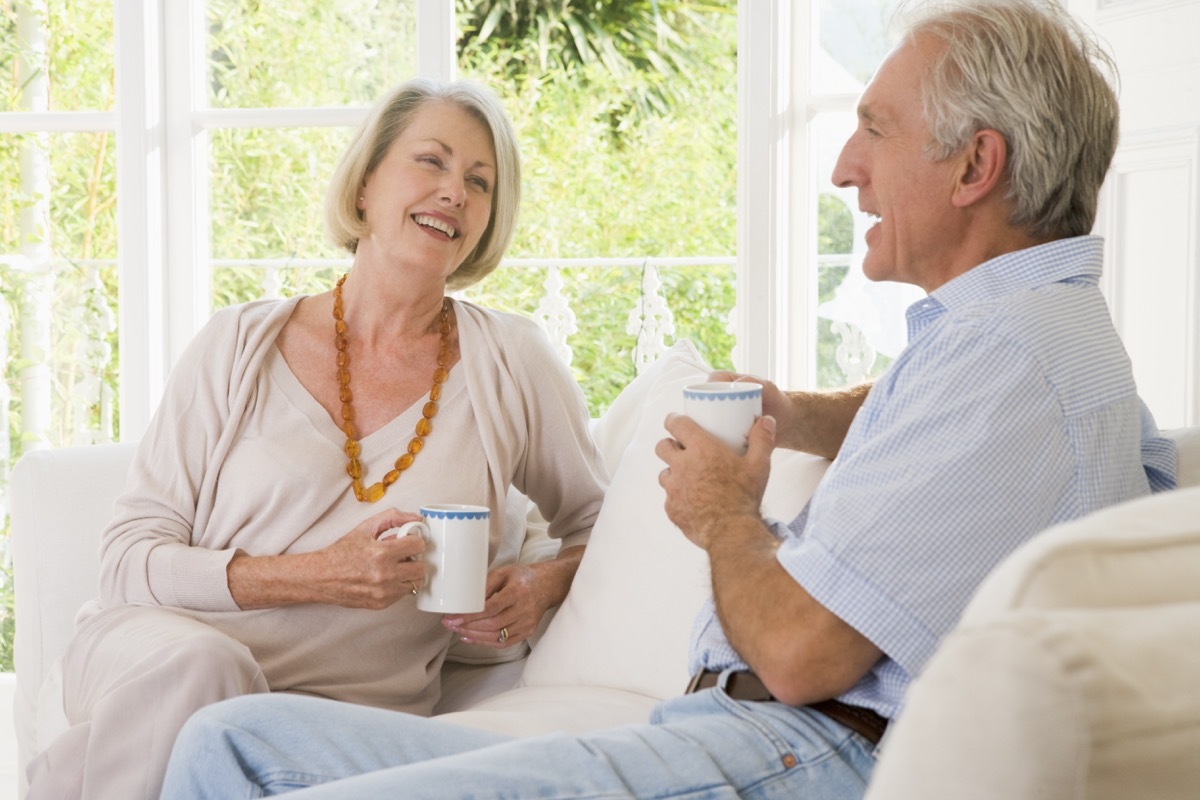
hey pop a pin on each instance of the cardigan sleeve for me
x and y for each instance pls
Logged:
(150, 552)
(539, 423)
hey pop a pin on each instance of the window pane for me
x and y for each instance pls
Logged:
(853, 37)
(300, 53)
(58, 211)
(72, 45)
(637, 163)
(268, 195)
(846, 298)
(77, 172)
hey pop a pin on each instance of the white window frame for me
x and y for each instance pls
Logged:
(162, 185)
(778, 186)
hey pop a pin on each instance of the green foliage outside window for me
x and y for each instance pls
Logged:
(606, 174)
(661, 186)
(626, 121)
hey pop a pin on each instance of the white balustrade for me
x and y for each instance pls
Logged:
(555, 315)
(854, 353)
(96, 321)
(271, 283)
(651, 321)
(88, 399)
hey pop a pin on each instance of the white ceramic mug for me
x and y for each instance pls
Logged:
(726, 409)
(456, 557)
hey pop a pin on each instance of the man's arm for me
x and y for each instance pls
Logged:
(800, 650)
(815, 422)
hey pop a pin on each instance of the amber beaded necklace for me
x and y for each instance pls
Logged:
(354, 467)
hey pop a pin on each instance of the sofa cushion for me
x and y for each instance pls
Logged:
(1187, 442)
(626, 622)
(1143, 552)
(1073, 672)
(1072, 703)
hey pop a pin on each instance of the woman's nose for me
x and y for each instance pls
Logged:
(454, 190)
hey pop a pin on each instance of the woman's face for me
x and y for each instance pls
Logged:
(429, 201)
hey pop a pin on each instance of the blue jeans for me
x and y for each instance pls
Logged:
(703, 745)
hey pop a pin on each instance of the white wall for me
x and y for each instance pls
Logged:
(1150, 209)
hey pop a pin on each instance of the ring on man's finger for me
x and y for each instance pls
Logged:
(503, 634)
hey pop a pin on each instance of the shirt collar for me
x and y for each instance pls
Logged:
(1079, 258)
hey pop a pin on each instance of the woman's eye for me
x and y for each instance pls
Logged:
(480, 183)
(432, 160)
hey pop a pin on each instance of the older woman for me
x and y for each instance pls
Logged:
(245, 555)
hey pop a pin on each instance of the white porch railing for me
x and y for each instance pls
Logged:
(67, 318)
(88, 319)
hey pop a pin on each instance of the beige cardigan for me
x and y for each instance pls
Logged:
(207, 480)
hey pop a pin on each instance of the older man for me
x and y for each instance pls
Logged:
(981, 146)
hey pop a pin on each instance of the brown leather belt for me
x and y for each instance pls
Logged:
(745, 685)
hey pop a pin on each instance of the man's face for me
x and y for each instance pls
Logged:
(886, 159)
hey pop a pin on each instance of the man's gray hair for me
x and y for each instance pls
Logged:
(1028, 70)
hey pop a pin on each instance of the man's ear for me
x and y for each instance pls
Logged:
(984, 163)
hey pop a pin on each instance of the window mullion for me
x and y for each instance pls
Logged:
(436, 37)
(799, 364)
(141, 194)
(765, 334)
(187, 208)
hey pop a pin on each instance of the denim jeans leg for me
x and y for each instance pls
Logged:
(700, 746)
(263, 745)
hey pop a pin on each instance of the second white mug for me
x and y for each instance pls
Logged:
(456, 558)
(726, 409)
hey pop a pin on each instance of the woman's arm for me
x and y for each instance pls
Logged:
(557, 466)
(357, 571)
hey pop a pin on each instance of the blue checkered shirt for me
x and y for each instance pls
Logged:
(1013, 408)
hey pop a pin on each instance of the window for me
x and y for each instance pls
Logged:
(58, 225)
(186, 172)
(853, 327)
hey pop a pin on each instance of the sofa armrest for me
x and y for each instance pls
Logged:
(61, 501)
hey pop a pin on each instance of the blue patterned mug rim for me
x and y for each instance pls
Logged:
(722, 391)
(455, 511)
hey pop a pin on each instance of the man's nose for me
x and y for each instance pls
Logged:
(847, 171)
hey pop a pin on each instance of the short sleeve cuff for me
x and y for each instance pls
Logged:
(577, 539)
(858, 602)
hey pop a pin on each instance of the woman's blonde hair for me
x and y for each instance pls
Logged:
(387, 120)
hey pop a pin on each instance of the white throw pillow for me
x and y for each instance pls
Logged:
(627, 619)
(615, 428)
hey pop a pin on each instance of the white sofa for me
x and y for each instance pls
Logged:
(615, 648)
